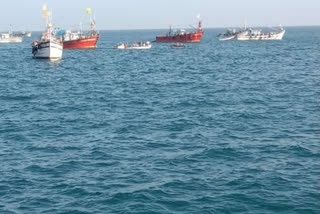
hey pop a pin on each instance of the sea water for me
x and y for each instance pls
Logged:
(217, 127)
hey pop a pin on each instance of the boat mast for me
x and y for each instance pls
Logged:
(199, 24)
(92, 22)
(245, 24)
(80, 28)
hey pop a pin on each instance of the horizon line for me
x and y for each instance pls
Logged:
(130, 29)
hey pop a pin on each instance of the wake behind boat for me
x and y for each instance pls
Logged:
(134, 46)
(49, 47)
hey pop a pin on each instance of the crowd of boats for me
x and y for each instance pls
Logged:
(53, 41)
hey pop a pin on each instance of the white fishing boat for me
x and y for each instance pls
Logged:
(135, 46)
(10, 37)
(48, 47)
(256, 35)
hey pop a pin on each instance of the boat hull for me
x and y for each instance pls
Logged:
(82, 43)
(139, 48)
(122, 47)
(48, 50)
(227, 38)
(186, 38)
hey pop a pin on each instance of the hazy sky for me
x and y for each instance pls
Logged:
(152, 14)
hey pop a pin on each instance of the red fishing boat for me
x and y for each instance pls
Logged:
(81, 41)
(182, 36)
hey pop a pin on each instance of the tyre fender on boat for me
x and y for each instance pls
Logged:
(35, 46)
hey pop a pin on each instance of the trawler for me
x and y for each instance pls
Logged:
(80, 40)
(254, 35)
(181, 36)
(48, 47)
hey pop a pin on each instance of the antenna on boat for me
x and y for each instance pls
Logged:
(81, 28)
(199, 29)
(92, 18)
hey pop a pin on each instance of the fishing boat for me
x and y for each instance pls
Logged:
(134, 46)
(256, 35)
(178, 45)
(49, 46)
(10, 38)
(181, 36)
(81, 40)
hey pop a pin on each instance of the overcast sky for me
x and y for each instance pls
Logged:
(152, 14)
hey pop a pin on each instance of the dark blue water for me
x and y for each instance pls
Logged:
(219, 127)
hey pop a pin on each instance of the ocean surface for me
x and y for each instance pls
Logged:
(218, 127)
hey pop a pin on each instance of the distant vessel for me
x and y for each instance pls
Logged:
(79, 40)
(25, 34)
(49, 47)
(10, 38)
(254, 35)
(135, 46)
(182, 36)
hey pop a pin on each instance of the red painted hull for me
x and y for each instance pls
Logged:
(186, 38)
(83, 43)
